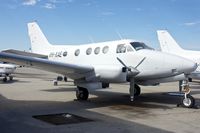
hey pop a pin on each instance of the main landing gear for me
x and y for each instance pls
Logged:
(134, 90)
(82, 94)
(5, 79)
(187, 101)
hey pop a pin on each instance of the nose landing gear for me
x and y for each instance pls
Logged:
(187, 101)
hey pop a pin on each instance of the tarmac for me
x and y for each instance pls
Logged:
(32, 93)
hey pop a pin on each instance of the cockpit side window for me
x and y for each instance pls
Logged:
(139, 45)
(129, 48)
(121, 48)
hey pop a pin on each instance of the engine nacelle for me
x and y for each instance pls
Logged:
(89, 85)
(111, 74)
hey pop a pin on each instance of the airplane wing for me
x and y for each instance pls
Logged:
(18, 52)
(70, 70)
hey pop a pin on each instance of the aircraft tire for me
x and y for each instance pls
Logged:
(190, 79)
(82, 94)
(65, 79)
(5, 79)
(11, 78)
(188, 102)
(59, 78)
(137, 90)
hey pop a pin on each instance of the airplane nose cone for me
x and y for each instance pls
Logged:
(179, 64)
(188, 66)
(164, 64)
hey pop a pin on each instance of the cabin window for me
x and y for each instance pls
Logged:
(77, 52)
(105, 49)
(121, 48)
(89, 51)
(65, 53)
(97, 50)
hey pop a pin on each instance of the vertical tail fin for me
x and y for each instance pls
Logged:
(39, 43)
(167, 42)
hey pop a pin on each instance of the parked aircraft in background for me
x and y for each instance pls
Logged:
(6, 70)
(59, 78)
(94, 66)
(169, 45)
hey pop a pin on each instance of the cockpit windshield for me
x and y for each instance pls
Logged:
(139, 45)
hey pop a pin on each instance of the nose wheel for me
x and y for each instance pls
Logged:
(187, 101)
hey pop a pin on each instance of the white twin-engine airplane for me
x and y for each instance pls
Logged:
(94, 66)
(169, 45)
(6, 70)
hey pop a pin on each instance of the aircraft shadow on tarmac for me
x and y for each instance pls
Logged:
(61, 89)
(16, 116)
(145, 100)
(13, 81)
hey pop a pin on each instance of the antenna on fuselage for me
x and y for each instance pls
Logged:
(119, 35)
(91, 39)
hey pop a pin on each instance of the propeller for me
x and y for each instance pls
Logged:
(132, 71)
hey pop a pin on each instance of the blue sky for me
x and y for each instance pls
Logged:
(80, 21)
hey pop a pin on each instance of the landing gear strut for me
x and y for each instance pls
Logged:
(187, 101)
(82, 93)
(134, 89)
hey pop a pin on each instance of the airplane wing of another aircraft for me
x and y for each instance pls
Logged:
(70, 70)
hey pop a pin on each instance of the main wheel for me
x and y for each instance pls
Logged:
(65, 79)
(59, 78)
(188, 102)
(137, 90)
(82, 93)
(11, 78)
(5, 79)
(190, 79)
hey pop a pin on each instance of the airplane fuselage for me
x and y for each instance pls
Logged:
(6, 69)
(103, 57)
